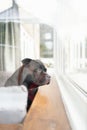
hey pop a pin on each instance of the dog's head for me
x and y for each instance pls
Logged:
(35, 71)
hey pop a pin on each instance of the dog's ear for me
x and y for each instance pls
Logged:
(26, 61)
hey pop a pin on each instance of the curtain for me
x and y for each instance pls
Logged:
(18, 41)
(19, 37)
(9, 45)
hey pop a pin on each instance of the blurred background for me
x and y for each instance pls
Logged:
(55, 32)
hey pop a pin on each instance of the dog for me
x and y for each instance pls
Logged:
(31, 74)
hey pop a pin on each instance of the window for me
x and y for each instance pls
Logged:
(46, 41)
(72, 55)
(8, 45)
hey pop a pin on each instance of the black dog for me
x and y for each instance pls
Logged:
(32, 74)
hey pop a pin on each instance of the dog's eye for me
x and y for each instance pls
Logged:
(45, 70)
(37, 70)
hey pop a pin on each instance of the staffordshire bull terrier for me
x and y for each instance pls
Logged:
(32, 74)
